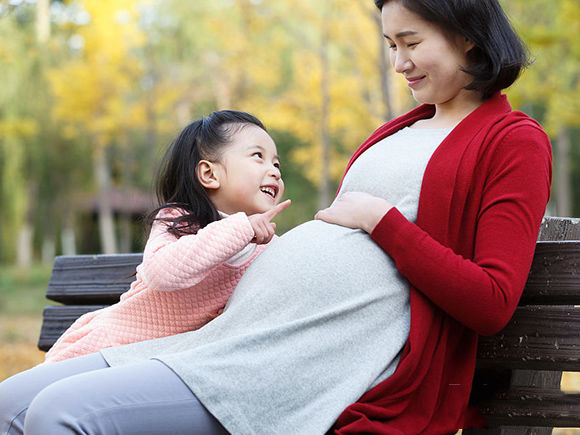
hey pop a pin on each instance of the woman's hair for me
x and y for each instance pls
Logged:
(177, 184)
(498, 55)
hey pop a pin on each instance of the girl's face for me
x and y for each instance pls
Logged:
(247, 174)
(429, 59)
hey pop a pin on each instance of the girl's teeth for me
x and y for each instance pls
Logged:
(268, 191)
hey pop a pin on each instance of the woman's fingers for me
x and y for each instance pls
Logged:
(355, 210)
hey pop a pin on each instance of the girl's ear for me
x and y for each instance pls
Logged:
(207, 174)
(468, 45)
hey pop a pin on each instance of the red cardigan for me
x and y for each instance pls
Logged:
(482, 199)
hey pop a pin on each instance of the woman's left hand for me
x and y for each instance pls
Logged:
(355, 210)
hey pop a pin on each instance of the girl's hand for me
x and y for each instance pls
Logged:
(263, 228)
(355, 210)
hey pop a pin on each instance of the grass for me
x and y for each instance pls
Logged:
(21, 303)
(22, 290)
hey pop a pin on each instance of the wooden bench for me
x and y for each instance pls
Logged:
(518, 375)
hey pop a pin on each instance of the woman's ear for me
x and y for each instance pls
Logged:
(207, 174)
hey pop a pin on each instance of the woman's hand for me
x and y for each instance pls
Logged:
(264, 229)
(355, 210)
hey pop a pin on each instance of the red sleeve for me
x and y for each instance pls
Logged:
(482, 293)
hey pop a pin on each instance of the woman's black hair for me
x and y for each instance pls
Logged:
(177, 184)
(498, 55)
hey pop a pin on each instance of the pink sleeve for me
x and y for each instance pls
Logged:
(171, 263)
(481, 293)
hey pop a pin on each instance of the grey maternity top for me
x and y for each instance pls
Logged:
(317, 320)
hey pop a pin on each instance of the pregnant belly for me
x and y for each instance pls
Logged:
(318, 266)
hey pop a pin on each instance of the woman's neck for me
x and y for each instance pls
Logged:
(451, 113)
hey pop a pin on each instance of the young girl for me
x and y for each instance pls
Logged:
(219, 186)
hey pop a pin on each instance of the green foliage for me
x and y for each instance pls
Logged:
(127, 75)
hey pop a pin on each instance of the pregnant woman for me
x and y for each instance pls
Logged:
(366, 319)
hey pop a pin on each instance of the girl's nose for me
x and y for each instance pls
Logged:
(275, 172)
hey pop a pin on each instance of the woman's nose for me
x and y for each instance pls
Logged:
(402, 62)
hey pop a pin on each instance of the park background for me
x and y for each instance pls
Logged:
(93, 91)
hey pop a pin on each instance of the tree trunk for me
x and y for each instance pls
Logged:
(105, 210)
(24, 246)
(42, 21)
(25, 238)
(221, 86)
(48, 249)
(126, 233)
(384, 70)
(324, 188)
(67, 236)
(563, 188)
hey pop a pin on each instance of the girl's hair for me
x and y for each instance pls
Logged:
(498, 55)
(177, 184)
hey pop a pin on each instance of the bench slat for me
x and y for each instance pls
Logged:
(57, 319)
(91, 279)
(554, 276)
(538, 338)
(94, 279)
(530, 407)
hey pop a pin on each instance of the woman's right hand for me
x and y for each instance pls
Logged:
(355, 210)
(264, 229)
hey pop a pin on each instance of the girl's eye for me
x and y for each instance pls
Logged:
(277, 165)
(257, 153)
(412, 44)
(392, 46)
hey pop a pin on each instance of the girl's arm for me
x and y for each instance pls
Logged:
(171, 263)
(481, 293)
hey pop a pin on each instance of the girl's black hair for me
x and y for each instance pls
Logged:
(177, 184)
(498, 55)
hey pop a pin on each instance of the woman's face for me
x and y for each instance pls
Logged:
(429, 59)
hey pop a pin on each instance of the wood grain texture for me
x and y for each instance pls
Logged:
(91, 279)
(57, 319)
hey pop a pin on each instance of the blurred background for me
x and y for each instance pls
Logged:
(93, 91)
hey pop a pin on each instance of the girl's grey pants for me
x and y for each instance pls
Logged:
(85, 396)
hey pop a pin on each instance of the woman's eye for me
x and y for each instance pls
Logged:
(257, 153)
(277, 165)
(392, 46)
(412, 44)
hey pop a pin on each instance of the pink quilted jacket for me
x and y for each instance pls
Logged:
(182, 284)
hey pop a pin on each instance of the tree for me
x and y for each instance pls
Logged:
(93, 92)
(550, 87)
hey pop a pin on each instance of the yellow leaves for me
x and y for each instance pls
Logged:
(569, 11)
(18, 128)
(92, 91)
(112, 31)
(562, 112)
(553, 80)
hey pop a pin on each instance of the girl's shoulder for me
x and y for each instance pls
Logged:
(166, 218)
(170, 212)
